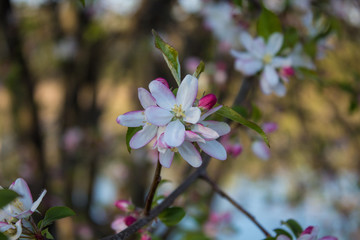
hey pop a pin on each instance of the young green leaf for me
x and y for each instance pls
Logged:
(170, 55)
(200, 68)
(236, 117)
(172, 216)
(6, 197)
(294, 227)
(129, 134)
(56, 213)
(3, 237)
(268, 23)
(47, 234)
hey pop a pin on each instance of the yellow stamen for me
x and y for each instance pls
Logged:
(178, 111)
(267, 59)
(174, 149)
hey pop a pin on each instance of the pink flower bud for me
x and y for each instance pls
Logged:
(308, 230)
(124, 205)
(270, 127)
(163, 81)
(145, 237)
(287, 72)
(236, 150)
(129, 220)
(207, 101)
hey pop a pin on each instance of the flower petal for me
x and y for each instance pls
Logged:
(208, 113)
(146, 99)
(38, 201)
(279, 62)
(280, 89)
(258, 47)
(271, 75)
(274, 43)
(166, 158)
(221, 128)
(20, 186)
(247, 63)
(261, 150)
(214, 149)
(187, 92)
(192, 115)
(163, 95)
(246, 40)
(158, 116)
(188, 151)
(205, 132)
(193, 137)
(265, 87)
(174, 134)
(132, 119)
(143, 137)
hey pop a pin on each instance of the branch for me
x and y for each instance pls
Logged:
(217, 189)
(154, 185)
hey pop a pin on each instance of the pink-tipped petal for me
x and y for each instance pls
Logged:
(208, 113)
(163, 95)
(274, 43)
(20, 186)
(158, 116)
(205, 132)
(214, 149)
(174, 134)
(132, 119)
(221, 128)
(163, 81)
(190, 154)
(36, 204)
(146, 99)
(193, 137)
(143, 137)
(192, 115)
(166, 158)
(207, 101)
(187, 92)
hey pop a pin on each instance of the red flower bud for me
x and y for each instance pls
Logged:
(207, 101)
(129, 220)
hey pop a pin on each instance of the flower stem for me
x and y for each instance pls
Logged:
(217, 189)
(154, 185)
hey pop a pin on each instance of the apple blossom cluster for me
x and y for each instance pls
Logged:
(310, 233)
(15, 219)
(177, 122)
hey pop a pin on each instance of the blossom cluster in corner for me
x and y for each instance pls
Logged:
(310, 233)
(177, 122)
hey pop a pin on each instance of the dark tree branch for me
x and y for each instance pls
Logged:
(154, 185)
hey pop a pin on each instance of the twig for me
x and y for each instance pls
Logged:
(217, 189)
(154, 185)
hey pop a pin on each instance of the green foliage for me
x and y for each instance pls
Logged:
(3, 237)
(236, 117)
(170, 55)
(195, 236)
(291, 37)
(294, 226)
(82, 2)
(199, 69)
(268, 23)
(238, 3)
(7, 196)
(47, 234)
(255, 113)
(280, 231)
(241, 110)
(172, 215)
(56, 213)
(129, 134)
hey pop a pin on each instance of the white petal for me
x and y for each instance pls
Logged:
(190, 154)
(278, 62)
(143, 137)
(187, 92)
(18, 231)
(166, 158)
(274, 43)
(246, 40)
(265, 87)
(211, 111)
(193, 137)
(205, 132)
(21, 187)
(221, 128)
(192, 115)
(158, 116)
(280, 89)
(247, 63)
(282, 237)
(261, 150)
(174, 134)
(163, 95)
(132, 119)
(258, 48)
(271, 75)
(214, 149)
(146, 99)
(38, 201)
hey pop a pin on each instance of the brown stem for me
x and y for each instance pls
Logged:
(217, 189)
(154, 185)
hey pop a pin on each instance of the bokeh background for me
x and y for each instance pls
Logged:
(67, 71)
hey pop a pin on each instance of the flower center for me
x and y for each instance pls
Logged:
(18, 204)
(174, 149)
(267, 58)
(178, 111)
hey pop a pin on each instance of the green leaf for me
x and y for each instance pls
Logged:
(129, 134)
(170, 55)
(255, 113)
(270, 238)
(236, 117)
(294, 227)
(238, 3)
(56, 213)
(195, 236)
(280, 231)
(47, 234)
(268, 23)
(241, 110)
(82, 2)
(7, 196)
(172, 216)
(200, 68)
(291, 37)
(3, 237)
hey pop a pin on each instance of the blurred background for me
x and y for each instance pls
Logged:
(67, 71)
